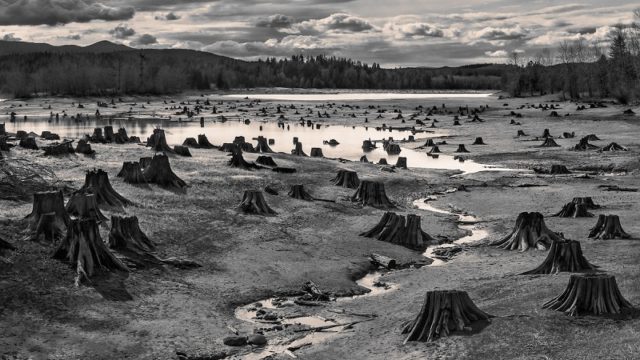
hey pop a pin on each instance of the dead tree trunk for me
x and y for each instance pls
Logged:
(443, 311)
(84, 147)
(529, 231)
(84, 206)
(383, 261)
(316, 152)
(191, 142)
(253, 203)
(97, 182)
(608, 227)
(298, 192)
(346, 178)
(204, 143)
(596, 294)
(298, 150)
(479, 141)
(159, 172)
(263, 146)
(573, 210)
(462, 149)
(563, 256)
(132, 173)
(182, 150)
(47, 203)
(266, 161)
(86, 252)
(158, 141)
(127, 239)
(372, 193)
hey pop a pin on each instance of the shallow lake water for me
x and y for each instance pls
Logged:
(357, 96)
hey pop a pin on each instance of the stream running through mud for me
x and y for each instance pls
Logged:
(371, 281)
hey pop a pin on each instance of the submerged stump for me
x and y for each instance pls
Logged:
(529, 231)
(563, 256)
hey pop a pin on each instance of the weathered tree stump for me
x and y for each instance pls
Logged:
(614, 147)
(159, 172)
(549, 142)
(396, 229)
(48, 204)
(429, 143)
(238, 161)
(84, 147)
(253, 203)
(97, 182)
(372, 193)
(63, 148)
(316, 152)
(85, 206)
(529, 231)
(546, 134)
(86, 252)
(191, 142)
(346, 178)
(28, 143)
(109, 136)
(266, 161)
(127, 238)
(298, 150)
(456, 123)
(573, 210)
(478, 141)
(158, 141)
(595, 294)
(263, 146)
(204, 143)
(49, 229)
(443, 312)
(393, 149)
(298, 192)
(383, 161)
(182, 150)
(521, 133)
(121, 137)
(401, 162)
(584, 145)
(462, 149)
(608, 227)
(559, 170)
(434, 150)
(363, 159)
(563, 256)
(132, 173)
(97, 136)
(587, 201)
(145, 162)
(368, 145)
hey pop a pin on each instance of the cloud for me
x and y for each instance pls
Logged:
(122, 31)
(412, 30)
(54, 12)
(598, 35)
(145, 39)
(169, 17)
(74, 37)
(10, 37)
(338, 22)
(497, 54)
(276, 21)
(499, 33)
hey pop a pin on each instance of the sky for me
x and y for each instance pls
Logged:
(393, 33)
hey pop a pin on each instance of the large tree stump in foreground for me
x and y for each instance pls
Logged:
(396, 229)
(573, 210)
(372, 193)
(159, 172)
(346, 178)
(86, 252)
(85, 206)
(49, 229)
(127, 238)
(608, 227)
(298, 150)
(204, 143)
(158, 141)
(529, 231)
(253, 203)
(266, 161)
(47, 203)
(443, 312)
(131, 173)
(97, 182)
(298, 192)
(595, 294)
(563, 256)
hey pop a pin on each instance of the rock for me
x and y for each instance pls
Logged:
(257, 339)
(235, 341)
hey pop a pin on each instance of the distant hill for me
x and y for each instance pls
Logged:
(20, 47)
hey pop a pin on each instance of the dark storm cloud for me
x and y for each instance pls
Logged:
(145, 39)
(122, 31)
(169, 17)
(54, 12)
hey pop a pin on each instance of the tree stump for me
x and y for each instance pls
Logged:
(478, 141)
(238, 161)
(368, 145)
(396, 229)
(84, 147)
(462, 149)
(121, 137)
(49, 229)
(573, 210)
(298, 192)
(563, 256)
(614, 147)
(584, 145)
(549, 142)
(97, 182)
(393, 149)
(266, 161)
(456, 123)
(443, 312)
(372, 193)
(347, 179)
(401, 162)
(434, 150)
(363, 159)
(559, 170)
(158, 141)
(85, 206)
(429, 143)
(159, 172)
(587, 201)
(204, 143)
(51, 205)
(263, 146)
(595, 294)
(298, 150)
(108, 134)
(63, 148)
(145, 162)
(383, 161)
(182, 150)
(191, 142)
(132, 173)
(253, 203)
(97, 136)
(316, 152)
(608, 227)
(28, 143)
(546, 134)
(127, 238)
(4, 146)
(529, 231)
(86, 252)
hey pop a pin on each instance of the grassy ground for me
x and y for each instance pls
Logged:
(246, 258)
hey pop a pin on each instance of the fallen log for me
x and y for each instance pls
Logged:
(57, 149)
(284, 170)
(383, 261)
(614, 147)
